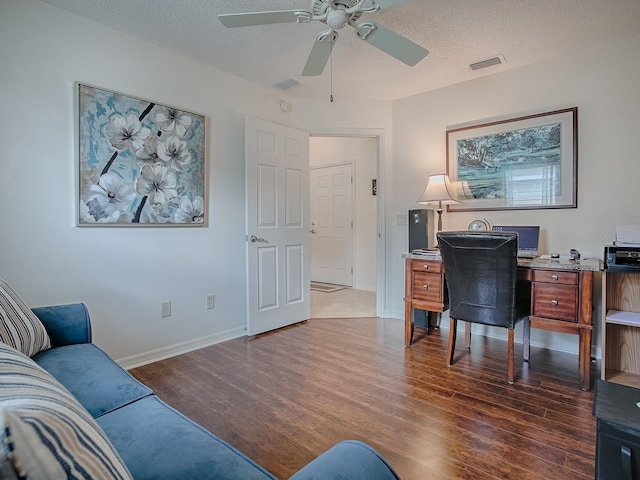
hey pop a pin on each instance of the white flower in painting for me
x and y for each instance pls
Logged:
(172, 120)
(112, 190)
(190, 212)
(158, 183)
(174, 153)
(124, 133)
(148, 153)
(97, 210)
(85, 216)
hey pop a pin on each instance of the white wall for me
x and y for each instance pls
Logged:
(362, 153)
(122, 274)
(602, 83)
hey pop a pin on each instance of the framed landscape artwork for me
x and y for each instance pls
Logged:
(140, 163)
(522, 163)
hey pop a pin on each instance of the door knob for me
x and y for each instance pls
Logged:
(255, 239)
(312, 231)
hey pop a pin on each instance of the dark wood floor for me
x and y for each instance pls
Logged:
(284, 397)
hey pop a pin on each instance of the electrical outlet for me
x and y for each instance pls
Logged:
(166, 309)
(211, 301)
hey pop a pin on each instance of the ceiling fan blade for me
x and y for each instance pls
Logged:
(390, 42)
(387, 3)
(232, 20)
(320, 53)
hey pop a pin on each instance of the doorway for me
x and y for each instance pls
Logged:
(358, 264)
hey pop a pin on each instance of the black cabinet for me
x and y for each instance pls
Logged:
(617, 410)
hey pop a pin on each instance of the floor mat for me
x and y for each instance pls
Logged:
(326, 287)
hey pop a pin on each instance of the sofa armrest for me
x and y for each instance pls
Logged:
(66, 324)
(348, 460)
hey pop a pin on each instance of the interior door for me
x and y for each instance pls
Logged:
(331, 224)
(278, 260)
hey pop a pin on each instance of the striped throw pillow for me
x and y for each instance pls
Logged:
(44, 432)
(19, 327)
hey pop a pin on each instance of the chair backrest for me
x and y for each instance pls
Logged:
(481, 273)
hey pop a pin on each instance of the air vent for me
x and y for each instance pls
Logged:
(489, 62)
(287, 84)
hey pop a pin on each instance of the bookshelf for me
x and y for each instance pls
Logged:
(621, 327)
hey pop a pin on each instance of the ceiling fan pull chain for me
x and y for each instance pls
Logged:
(331, 76)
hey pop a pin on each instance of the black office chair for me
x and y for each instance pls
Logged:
(481, 273)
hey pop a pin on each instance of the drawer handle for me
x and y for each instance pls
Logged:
(554, 277)
(425, 266)
(425, 287)
(554, 303)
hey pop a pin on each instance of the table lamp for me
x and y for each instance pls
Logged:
(439, 192)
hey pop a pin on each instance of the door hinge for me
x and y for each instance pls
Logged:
(351, 270)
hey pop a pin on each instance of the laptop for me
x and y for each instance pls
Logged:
(528, 237)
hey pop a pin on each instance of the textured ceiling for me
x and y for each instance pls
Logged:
(456, 32)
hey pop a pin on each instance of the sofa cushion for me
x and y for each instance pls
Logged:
(19, 327)
(92, 377)
(158, 442)
(45, 432)
(348, 459)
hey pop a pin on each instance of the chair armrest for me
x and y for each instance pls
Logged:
(348, 460)
(66, 324)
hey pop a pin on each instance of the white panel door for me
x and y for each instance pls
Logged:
(278, 261)
(331, 224)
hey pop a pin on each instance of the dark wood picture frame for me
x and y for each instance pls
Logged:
(521, 163)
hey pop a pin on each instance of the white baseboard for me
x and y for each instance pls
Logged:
(549, 340)
(179, 348)
(562, 342)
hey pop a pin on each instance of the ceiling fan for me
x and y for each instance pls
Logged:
(336, 14)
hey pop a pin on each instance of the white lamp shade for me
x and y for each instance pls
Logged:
(439, 191)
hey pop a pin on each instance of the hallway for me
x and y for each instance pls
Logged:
(343, 303)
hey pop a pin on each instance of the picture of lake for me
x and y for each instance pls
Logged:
(521, 166)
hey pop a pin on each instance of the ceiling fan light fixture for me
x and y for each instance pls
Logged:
(337, 19)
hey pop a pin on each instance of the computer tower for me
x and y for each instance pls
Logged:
(420, 229)
(420, 236)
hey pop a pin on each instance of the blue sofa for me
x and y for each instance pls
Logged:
(154, 440)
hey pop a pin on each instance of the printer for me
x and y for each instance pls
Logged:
(619, 258)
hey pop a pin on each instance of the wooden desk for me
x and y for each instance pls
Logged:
(561, 298)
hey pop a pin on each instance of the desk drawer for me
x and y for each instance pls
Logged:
(427, 287)
(555, 277)
(427, 266)
(559, 302)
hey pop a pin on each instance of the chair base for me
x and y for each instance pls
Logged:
(453, 332)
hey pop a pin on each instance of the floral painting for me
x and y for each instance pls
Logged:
(140, 163)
